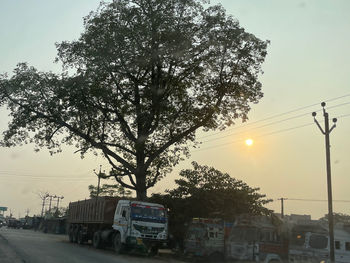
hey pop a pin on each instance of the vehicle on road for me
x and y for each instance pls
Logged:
(248, 238)
(13, 223)
(205, 237)
(121, 224)
(257, 239)
(311, 242)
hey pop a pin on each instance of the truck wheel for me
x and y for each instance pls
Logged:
(75, 235)
(216, 256)
(80, 238)
(97, 240)
(153, 251)
(70, 235)
(117, 243)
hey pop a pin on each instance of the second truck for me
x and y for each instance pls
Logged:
(121, 224)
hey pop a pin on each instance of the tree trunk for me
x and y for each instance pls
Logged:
(141, 195)
(141, 191)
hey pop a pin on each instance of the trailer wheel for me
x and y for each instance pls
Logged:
(70, 235)
(97, 240)
(80, 238)
(75, 235)
(117, 243)
(153, 251)
(216, 256)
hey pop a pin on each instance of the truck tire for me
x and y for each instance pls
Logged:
(153, 251)
(80, 238)
(117, 243)
(97, 240)
(70, 235)
(216, 257)
(75, 234)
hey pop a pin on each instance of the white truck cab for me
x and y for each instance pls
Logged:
(140, 224)
(122, 224)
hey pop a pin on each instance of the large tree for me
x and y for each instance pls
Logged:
(209, 192)
(109, 190)
(337, 218)
(141, 79)
(206, 192)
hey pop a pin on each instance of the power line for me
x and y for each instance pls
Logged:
(262, 126)
(312, 200)
(266, 134)
(29, 174)
(263, 135)
(276, 115)
(272, 123)
(34, 177)
(37, 176)
(56, 174)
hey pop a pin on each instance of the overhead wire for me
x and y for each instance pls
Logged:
(278, 115)
(311, 200)
(263, 135)
(64, 178)
(7, 174)
(275, 122)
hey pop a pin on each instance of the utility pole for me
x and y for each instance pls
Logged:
(51, 196)
(58, 201)
(282, 206)
(326, 133)
(99, 175)
(43, 197)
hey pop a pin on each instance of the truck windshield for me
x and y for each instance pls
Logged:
(318, 241)
(244, 234)
(195, 232)
(148, 213)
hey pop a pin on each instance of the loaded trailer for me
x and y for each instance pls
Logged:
(247, 239)
(121, 224)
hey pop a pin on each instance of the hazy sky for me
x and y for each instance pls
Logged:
(308, 62)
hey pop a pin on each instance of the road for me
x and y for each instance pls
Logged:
(18, 245)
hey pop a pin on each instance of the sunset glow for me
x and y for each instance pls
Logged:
(249, 142)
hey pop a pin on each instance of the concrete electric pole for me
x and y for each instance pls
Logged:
(51, 196)
(326, 133)
(282, 206)
(58, 202)
(99, 175)
(43, 197)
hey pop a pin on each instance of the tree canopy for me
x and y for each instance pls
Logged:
(337, 218)
(147, 75)
(209, 193)
(109, 190)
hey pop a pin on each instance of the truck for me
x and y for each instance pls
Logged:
(122, 224)
(205, 237)
(248, 238)
(310, 242)
(257, 239)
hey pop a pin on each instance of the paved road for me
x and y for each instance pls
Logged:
(18, 245)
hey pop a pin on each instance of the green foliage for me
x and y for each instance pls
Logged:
(148, 74)
(56, 213)
(206, 192)
(337, 218)
(109, 190)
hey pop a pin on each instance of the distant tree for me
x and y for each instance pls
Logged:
(147, 75)
(110, 190)
(338, 218)
(55, 213)
(206, 192)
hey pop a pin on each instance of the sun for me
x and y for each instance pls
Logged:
(249, 142)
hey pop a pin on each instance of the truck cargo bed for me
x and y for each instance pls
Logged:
(96, 210)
